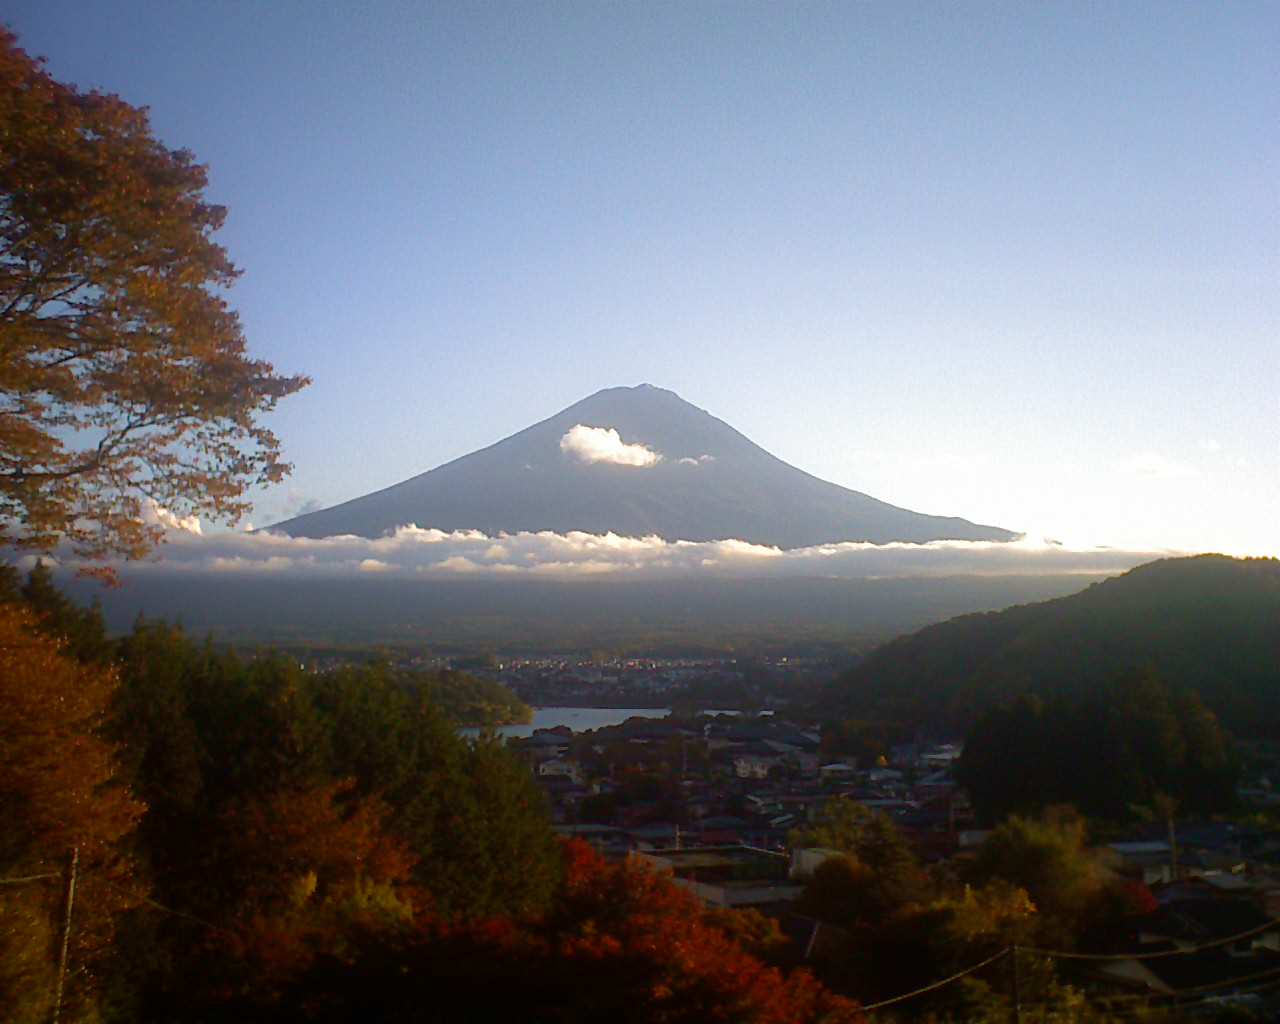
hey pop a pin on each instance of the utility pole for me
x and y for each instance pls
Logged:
(1017, 992)
(68, 900)
(1166, 807)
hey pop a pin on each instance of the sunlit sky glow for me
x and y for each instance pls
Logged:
(1017, 263)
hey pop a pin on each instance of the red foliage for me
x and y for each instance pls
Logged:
(275, 843)
(646, 936)
(1137, 897)
(622, 944)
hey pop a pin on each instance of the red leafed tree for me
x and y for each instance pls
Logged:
(622, 945)
(291, 880)
(648, 942)
(58, 792)
(300, 844)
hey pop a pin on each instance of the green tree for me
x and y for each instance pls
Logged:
(1106, 753)
(890, 873)
(81, 628)
(1050, 861)
(123, 372)
(470, 812)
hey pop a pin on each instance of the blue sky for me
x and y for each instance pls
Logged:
(1012, 262)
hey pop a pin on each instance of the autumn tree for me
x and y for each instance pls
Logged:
(59, 792)
(621, 944)
(123, 372)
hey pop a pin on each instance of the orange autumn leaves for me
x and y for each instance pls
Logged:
(647, 941)
(58, 791)
(124, 376)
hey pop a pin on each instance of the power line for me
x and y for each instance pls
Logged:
(1064, 955)
(29, 878)
(937, 984)
(169, 910)
(1214, 944)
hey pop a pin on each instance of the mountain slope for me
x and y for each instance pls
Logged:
(1209, 623)
(705, 481)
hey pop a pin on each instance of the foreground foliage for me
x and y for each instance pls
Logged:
(619, 943)
(262, 843)
(59, 792)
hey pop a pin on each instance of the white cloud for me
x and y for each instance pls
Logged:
(455, 563)
(1208, 444)
(157, 515)
(413, 551)
(605, 444)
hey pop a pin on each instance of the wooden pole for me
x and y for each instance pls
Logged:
(1017, 992)
(69, 900)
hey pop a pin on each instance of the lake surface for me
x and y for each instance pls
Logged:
(577, 719)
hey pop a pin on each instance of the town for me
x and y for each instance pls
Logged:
(717, 802)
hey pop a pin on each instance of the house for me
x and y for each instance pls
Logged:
(806, 860)
(727, 876)
(546, 743)
(607, 839)
(837, 771)
(942, 757)
(1181, 945)
(562, 767)
(1149, 862)
(755, 766)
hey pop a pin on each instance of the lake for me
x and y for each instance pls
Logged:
(577, 719)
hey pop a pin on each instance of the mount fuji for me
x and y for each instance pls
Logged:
(636, 462)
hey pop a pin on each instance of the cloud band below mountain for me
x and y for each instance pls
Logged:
(415, 552)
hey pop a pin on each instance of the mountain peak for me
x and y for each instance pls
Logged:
(634, 461)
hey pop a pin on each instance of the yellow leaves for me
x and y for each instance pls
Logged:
(302, 888)
(995, 911)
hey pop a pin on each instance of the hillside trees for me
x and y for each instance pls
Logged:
(290, 812)
(123, 372)
(1209, 624)
(1106, 753)
(469, 811)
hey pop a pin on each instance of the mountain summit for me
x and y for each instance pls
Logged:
(636, 462)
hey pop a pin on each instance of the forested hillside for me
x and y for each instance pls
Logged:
(1209, 623)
